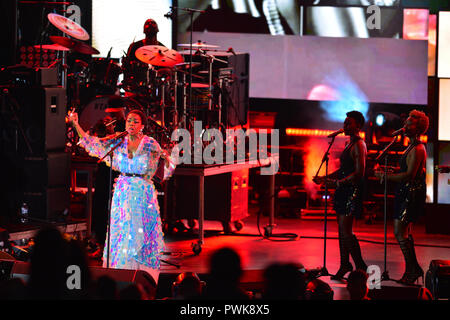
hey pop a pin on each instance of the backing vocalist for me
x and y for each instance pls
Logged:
(410, 195)
(348, 180)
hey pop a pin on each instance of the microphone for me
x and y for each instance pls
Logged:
(170, 15)
(334, 134)
(121, 135)
(230, 49)
(399, 131)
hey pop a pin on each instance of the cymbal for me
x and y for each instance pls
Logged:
(197, 45)
(74, 45)
(185, 65)
(68, 26)
(159, 56)
(53, 46)
(200, 85)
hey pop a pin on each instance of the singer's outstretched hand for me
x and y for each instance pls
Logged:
(73, 118)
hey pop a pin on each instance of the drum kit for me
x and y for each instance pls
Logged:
(157, 80)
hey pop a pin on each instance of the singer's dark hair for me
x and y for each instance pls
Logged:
(358, 116)
(140, 114)
(422, 120)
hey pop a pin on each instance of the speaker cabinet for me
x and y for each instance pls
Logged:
(48, 203)
(50, 170)
(225, 198)
(33, 120)
(400, 293)
(122, 277)
(437, 279)
(234, 87)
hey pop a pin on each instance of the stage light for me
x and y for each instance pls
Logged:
(380, 120)
(385, 124)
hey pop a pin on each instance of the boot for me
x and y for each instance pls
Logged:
(355, 252)
(413, 271)
(346, 266)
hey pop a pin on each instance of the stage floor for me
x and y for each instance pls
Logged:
(257, 253)
(308, 248)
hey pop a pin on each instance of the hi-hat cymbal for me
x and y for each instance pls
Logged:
(74, 45)
(159, 56)
(68, 26)
(56, 47)
(197, 45)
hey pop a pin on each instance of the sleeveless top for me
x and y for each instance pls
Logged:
(348, 198)
(410, 195)
(347, 164)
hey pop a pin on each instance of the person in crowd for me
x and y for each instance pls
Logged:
(357, 285)
(225, 271)
(283, 282)
(187, 286)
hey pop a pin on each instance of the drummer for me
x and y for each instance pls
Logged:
(150, 30)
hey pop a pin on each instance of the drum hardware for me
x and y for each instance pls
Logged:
(210, 58)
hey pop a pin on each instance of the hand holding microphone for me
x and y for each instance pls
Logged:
(334, 134)
(397, 132)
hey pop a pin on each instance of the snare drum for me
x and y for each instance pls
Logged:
(104, 75)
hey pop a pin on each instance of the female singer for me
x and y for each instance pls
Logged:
(136, 236)
(348, 180)
(410, 195)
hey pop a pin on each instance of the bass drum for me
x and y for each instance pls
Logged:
(93, 113)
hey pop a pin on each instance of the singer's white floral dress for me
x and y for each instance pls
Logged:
(136, 232)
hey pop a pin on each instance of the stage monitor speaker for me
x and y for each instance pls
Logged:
(235, 95)
(400, 293)
(33, 120)
(122, 277)
(437, 279)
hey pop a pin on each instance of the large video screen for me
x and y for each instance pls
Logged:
(353, 22)
(356, 65)
(116, 24)
(444, 45)
(444, 109)
(285, 17)
(418, 24)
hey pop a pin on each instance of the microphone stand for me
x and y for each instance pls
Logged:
(325, 159)
(384, 153)
(110, 154)
(191, 13)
